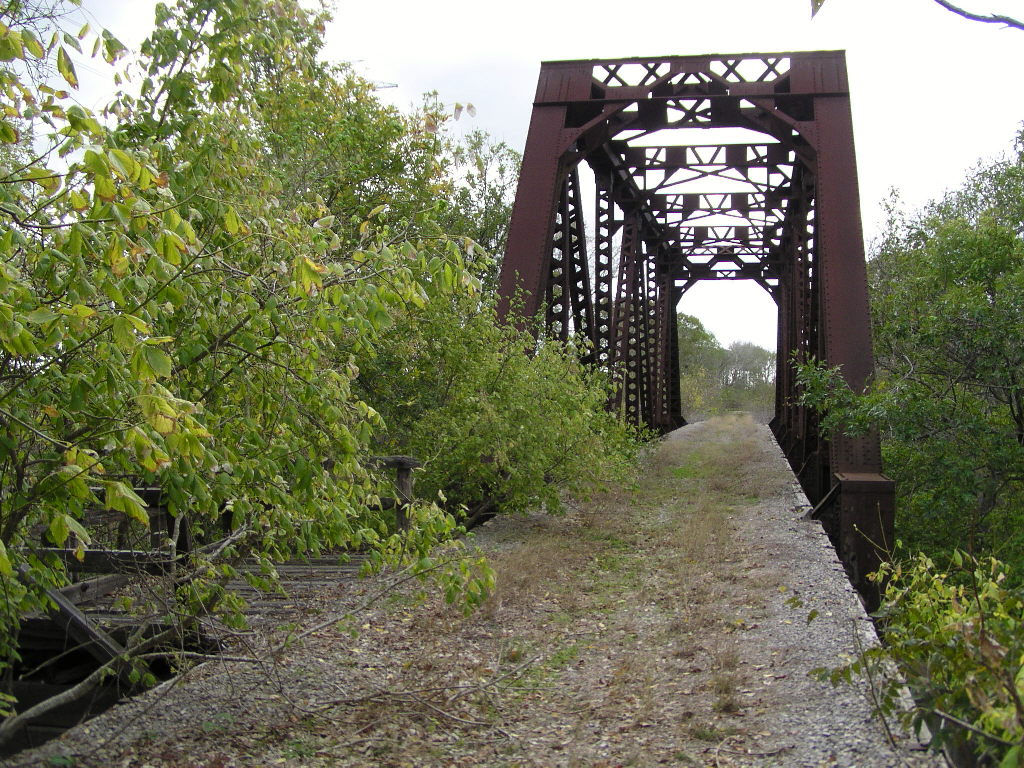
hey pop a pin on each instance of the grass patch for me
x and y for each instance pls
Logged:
(563, 656)
(711, 732)
(607, 539)
(689, 471)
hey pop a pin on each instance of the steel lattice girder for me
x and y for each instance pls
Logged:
(781, 210)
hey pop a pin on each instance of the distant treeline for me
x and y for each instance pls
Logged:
(715, 379)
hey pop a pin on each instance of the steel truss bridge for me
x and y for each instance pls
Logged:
(634, 187)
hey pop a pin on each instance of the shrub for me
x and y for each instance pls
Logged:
(957, 636)
(501, 421)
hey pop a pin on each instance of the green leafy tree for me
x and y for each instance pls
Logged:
(486, 174)
(702, 363)
(948, 312)
(185, 283)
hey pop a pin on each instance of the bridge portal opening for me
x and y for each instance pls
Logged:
(645, 177)
(727, 350)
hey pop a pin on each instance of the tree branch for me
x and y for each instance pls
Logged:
(994, 18)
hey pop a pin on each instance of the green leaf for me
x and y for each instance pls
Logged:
(124, 164)
(120, 498)
(58, 529)
(159, 361)
(78, 529)
(96, 163)
(112, 47)
(124, 332)
(5, 562)
(105, 190)
(41, 316)
(66, 68)
(72, 42)
(1012, 758)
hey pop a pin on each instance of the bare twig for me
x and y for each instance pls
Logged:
(973, 729)
(994, 18)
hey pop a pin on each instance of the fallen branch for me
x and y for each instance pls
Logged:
(410, 575)
(13, 724)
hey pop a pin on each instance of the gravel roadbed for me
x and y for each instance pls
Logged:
(676, 622)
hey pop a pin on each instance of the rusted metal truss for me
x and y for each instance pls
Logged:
(692, 168)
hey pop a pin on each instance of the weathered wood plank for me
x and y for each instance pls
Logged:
(94, 640)
(110, 560)
(92, 589)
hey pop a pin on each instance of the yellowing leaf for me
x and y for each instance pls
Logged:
(231, 222)
(44, 177)
(78, 201)
(307, 273)
(8, 133)
(116, 258)
(11, 46)
(80, 311)
(32, 43)
(66, 68)
(105, 190)
(140, 325)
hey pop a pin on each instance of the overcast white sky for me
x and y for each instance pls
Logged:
(932, 93)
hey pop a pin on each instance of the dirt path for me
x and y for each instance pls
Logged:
(665, 624)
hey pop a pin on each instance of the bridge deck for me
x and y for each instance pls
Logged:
(674, 622)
